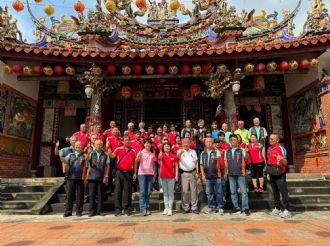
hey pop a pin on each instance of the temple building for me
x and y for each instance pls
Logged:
(105, 64)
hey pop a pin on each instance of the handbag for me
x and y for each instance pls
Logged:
(275, 170)
(114, 170)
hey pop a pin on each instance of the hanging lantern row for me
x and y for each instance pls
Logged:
(40, 70)
(282, 66)
(159, 69)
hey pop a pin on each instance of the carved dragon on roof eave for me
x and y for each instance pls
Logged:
(276, 29)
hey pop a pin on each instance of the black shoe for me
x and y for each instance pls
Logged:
(236, 211)
(127, 213)
(67, 215)
(117, 212)
(101, 214)
(91, 214)
(186, 211)
(196, 211)
(79, 214)
(247, 212)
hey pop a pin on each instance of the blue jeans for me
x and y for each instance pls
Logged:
(214, 193)
(158, 177)
(145, 183)
(168, 188)
(239, 181)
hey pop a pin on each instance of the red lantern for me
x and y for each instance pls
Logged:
(206, 69)
(195, 89)
(260, 68)
(137, 69)
(111, 69)
(18, 5)
(79, 7)
(17, 69)
(161, 69)
(185, 69)
(59, 70)
(283, 66)
(38, 70)
(126, 92)
(304, 64)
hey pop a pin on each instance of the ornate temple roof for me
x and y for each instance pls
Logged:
(214, 29)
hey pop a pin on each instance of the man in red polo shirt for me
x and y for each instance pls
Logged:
(108, 133)
(126, 156)
(277, 156)
(130, 131)
(82, 135)
(137, 142)
(115, 140)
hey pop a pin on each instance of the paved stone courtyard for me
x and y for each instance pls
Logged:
(309, 228)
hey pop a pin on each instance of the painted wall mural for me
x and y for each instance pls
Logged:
(17, 116)
(302, 113)
(21, 117)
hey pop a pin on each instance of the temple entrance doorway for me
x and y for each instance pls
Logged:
(164, 111)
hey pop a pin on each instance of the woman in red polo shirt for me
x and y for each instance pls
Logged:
(256, 162)
(169, 174)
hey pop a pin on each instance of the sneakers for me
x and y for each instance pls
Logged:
(256, 190)
(79, 214)
(196, 211)
(127, 213)
(169, 213)
(67, 215)
(247, 212)
(186, 211)
(221, 211)
(261, 190)
(165, 211)
(148, 212)
(91, 214)
(117, 212)
(209, 210)
(101, 214)
(144, 213)
(236, 211)
(161, 190)
(285, 214)
(275, 212)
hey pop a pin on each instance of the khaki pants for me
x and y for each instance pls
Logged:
(189, 191)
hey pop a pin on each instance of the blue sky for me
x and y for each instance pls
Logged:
(66, 7)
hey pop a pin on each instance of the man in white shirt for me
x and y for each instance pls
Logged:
(189, 165)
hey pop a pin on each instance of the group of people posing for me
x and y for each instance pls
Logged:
(159, 160)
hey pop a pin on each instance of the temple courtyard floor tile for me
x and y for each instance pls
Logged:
(304, 228)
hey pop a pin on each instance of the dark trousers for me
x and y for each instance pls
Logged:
(95, 190)
(123, 190)
(75, 187)
(278, 184)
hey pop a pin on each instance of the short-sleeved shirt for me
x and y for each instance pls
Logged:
(100, 136)
(222, 159)
(108, 133)
(130, 134)
(225, 146)
(126, 163)
(65, 151)
(167, 166)
(255, 153)
(147, 163)
(82, 138)
(137, 145)
(171, 138)
(232, 150)
(272, 153)
(188, 160)
(114, 143)
(215, 134)
(245, 135)
(217, 154)
(227, 137)
(258, 131)
(98, 154)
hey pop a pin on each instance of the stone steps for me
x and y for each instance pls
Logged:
(21, 196)
(24, 204)
(308, 183)
(27, 196)
(308, 190)
(306, 199)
